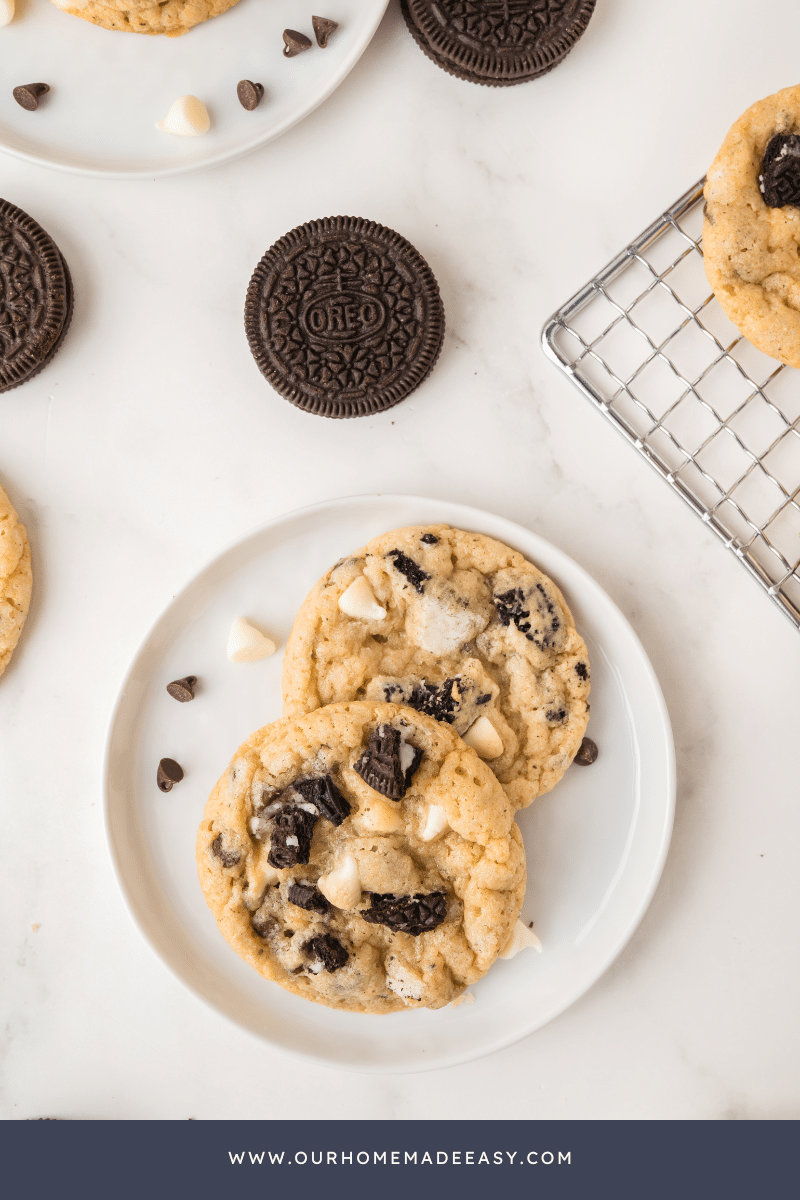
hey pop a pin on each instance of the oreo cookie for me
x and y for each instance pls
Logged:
(35, 297)
(497, 42)
(344, 317)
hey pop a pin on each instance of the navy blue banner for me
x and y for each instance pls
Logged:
(399, 1160)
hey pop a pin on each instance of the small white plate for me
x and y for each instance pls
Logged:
(595, 846)
(110, 88)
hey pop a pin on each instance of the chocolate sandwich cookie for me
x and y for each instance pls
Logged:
(497, 42)
(35, 297)
(344, 317)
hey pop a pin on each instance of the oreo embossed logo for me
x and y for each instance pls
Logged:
(344, 317)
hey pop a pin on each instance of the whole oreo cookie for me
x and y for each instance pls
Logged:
(35, 297)
(344, 317)
(497, 42)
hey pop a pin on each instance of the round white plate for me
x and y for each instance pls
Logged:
(110, 88)
(595, 845)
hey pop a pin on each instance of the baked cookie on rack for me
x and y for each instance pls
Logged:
(15, 579)
(751, 228)
(171, 17)
(460, 627)
(363, 857)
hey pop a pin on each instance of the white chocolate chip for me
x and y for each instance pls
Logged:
(359, 601)
(521, 938)
(484, 738)
(380, 817)
(6, 12)
(404, 982)
(342, 885)
(247, 644)
(260, 874)
(436, 823)
(188, 117)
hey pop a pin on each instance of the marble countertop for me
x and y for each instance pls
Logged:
(152, 441)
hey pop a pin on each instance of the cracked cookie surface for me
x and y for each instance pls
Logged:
(171, 17)
(343, 895)
(15, 579)
(751, 250)
(471, 633)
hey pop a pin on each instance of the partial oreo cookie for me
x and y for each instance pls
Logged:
(497, 42)
(344, 317)
(35, 297)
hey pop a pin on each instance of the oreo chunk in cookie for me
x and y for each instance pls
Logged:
(35, 297)
(292, 830)
(389, 763)
(407, 914)
(323, 793)
(344, 317)
(497, 42)
(779, 181)
(327, 950)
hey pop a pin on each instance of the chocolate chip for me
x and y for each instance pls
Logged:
(412, 571)
(288, 933)
(228, 858)
(182, 689)
(169, 772)
(430, 539)
(27, 95)
(292, 830)
(323, 28)
(328, 950)
(250, 94)
(581, 670)
(779, 180)
(323, 793)
(305, 895)
(407, 914)
(380, 765)
(294, 43)
(587, 753)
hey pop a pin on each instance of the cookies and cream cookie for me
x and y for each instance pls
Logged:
(171, 17)
(15, 579)
(362, 856)
(456, 625)
(751, 230)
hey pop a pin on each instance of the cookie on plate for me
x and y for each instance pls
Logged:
(456, 625)
(171, 17)
(363, 857)
(35, 297)
(497, 42)
(751, 228)
(15, 579)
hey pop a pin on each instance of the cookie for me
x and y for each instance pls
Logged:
(15, 579)
(751, 226)
(35, 297)
(363, 857)
(458, 626)
(171, 17)
(497, 42)
(344, 317)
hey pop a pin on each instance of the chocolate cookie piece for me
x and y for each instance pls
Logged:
(35, 297)
(497, 42)
(344, 317)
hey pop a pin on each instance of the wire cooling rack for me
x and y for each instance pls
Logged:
(649, 345)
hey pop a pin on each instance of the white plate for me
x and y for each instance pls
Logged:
(595, 846)
(110, 88)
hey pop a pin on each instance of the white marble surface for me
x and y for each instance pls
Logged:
(151, 441)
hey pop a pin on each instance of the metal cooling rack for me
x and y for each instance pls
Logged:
(652, 349)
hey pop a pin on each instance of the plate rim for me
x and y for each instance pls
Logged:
(224, 156)
(503, 1040)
